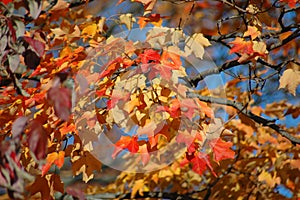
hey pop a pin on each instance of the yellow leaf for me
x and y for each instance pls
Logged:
(253, 32)
(138, 187)
(268, 179)
(90, 30)
(127, 19)
(290, 80)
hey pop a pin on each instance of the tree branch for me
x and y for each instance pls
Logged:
(212, 71)
(265, 122)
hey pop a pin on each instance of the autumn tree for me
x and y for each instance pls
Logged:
(186, 99)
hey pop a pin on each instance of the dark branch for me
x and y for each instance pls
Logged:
(212, 71)
(265, 122)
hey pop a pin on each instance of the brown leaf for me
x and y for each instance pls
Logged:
(40, 185)
(86, 165)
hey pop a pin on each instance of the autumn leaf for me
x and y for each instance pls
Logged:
(140, 187)
(38, 46)
(290, 80)
(241, 46)
(7, 1)
(195, 44)
(126, 142)
(291, 3)
(90, 30)
(221, 149)
(144, 154)
(40, 185)
(85, 164)
(171, 59)
(128, 20)
(266, 177)
(200, 163)
(154, 19)
(56, 158)
(60, 97)
(37, 139)
(150, 56)
(189, 108)
(253, 32)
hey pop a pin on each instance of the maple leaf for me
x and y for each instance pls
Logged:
(128, 20)
(40, 185)
(221, 149)
(290, 80)
(85, 164)
(268, 179)
(7, 1)
(241, 46)
(126, 142)
(111, 67)
(154, 19)
(253, 32)
(171, 60)
(188, 107)
(150, 56)
(56, 158)
(145, 156)
(195, 44)
(90, 30)
(200, 163)
(139, 186)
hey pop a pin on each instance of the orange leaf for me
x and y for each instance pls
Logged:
(241, 46)
(126, 142)
(154, 19)
(57, 158)
(171, 59)
(221, 149)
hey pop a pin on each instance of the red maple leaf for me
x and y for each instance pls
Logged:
(126, 142)
(221, 149)
(241, 46)
(201, 162)
(150, 56)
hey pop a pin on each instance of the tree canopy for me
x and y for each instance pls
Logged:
(182, 98)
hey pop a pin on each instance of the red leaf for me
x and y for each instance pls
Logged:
(37, 139)
(126, 142)
(111, 67)
(61, 99)
(37, 45)
(188, 107)
(201, 162)
(221, 149)
(241, 46)
(7, 1)
(150, 56)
